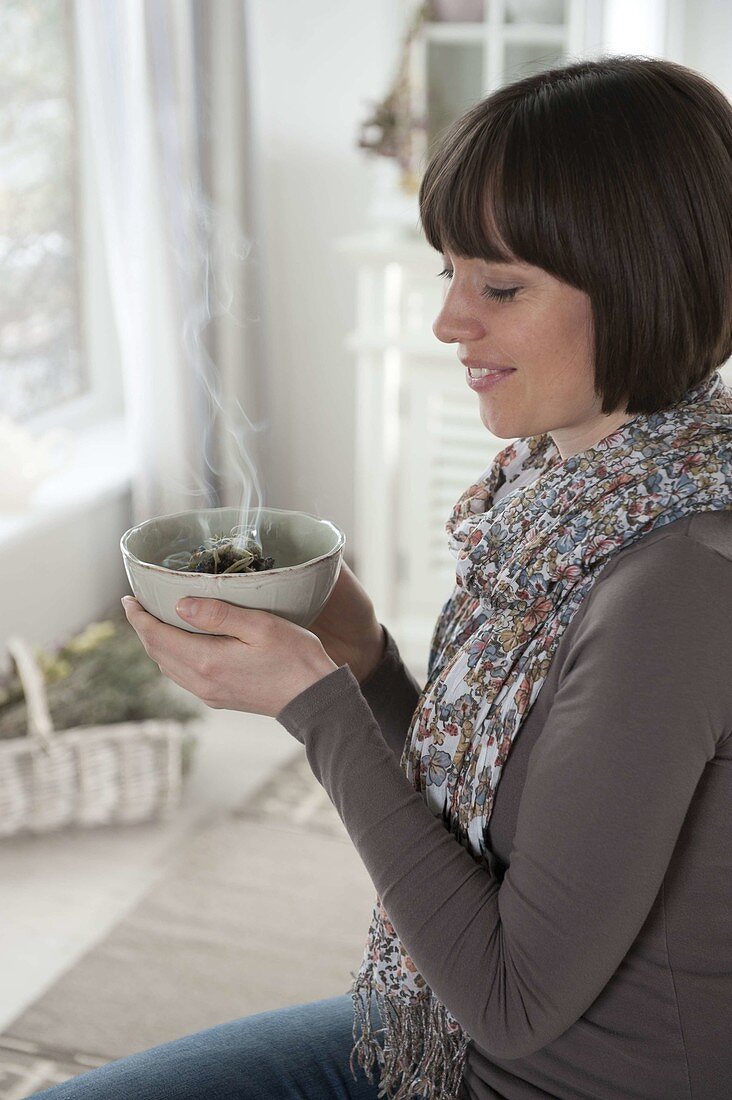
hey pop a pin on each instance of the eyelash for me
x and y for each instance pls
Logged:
(489, 291)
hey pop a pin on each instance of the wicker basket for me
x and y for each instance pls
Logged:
(94, 775)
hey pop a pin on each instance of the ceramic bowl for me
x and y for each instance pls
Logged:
(307, 552)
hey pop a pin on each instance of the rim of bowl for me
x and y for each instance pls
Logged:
(127, 553)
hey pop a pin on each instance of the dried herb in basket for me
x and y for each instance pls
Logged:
(221, 553)
(98, 677)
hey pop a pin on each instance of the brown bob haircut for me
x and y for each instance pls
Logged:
(615, 176)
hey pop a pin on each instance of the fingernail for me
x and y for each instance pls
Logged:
(188, 608)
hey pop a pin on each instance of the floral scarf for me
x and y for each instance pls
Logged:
(530, 538)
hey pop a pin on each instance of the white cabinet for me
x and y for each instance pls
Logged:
(510, 39)
(469, 48)
(453, 54)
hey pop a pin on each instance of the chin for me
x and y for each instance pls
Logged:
(507, 425)
(503, 427)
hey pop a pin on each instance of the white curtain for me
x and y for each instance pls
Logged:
(166, 86)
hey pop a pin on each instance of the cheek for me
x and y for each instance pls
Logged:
(563, 340)
(516, 335)
(574, 326)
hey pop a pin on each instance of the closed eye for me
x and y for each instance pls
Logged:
(488, 291)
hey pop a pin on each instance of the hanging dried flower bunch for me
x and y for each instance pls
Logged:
(389, 131)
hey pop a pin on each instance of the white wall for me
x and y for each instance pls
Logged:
(315, 69)
(60, 579)
(61, 564)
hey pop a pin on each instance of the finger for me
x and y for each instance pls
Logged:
(163, 642)
(220, 617)
(198, 687)
(143, 623)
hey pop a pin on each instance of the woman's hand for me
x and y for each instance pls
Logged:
(261, 664)
(348, 628)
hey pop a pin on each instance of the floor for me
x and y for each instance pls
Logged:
(60, 893)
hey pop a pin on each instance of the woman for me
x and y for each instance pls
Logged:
(561, 929)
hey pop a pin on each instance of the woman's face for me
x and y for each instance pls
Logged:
(543, 331)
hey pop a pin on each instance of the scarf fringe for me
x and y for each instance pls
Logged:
(421, 1056)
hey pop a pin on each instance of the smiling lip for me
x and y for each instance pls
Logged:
(479, 363)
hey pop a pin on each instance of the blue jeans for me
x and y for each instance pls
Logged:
(296, 1053)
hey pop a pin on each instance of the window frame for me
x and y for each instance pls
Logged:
(103, 396)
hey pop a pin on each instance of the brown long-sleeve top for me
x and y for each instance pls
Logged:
(593, 958)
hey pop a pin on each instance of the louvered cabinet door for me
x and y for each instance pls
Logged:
(444, 448)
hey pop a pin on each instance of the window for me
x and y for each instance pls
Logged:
(42, 361)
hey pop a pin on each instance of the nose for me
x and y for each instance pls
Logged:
(456, 322)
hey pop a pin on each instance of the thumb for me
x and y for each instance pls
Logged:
(214, 615)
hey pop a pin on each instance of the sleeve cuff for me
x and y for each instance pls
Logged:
(300, 713)
(381, 677)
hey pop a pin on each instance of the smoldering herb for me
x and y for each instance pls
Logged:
(221, 554)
